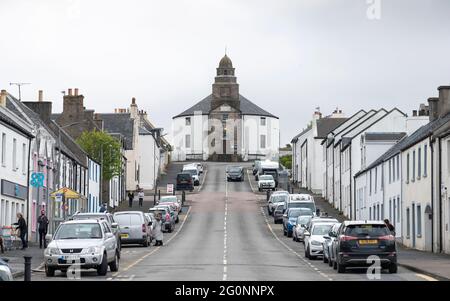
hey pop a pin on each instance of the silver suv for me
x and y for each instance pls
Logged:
(87, 243)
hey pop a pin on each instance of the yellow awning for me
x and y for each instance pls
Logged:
(68, 193)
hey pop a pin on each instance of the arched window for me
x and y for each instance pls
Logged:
(225, 72)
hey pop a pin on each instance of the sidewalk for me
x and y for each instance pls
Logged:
(16, 260)
(431, 264)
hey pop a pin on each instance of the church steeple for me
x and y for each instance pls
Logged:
(225, 87)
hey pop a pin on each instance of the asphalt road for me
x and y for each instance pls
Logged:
(226, 235)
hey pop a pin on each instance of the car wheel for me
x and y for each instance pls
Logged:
(145, 243)
(178, 220)
(340, 268)
(289, 233)
(334, 265)
(306, 253)
(325, 259)
(49, 271)
(330, 262)
(259, 189)
(393, 268)
(103, 268)
(284, 232)
(114, 266)
(170, 230)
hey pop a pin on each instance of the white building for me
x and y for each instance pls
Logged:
(15, 140)
(225, 125)
(307, 150)
(94, 180)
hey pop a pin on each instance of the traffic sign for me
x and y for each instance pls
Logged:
(169, 188)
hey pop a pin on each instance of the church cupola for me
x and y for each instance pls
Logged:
(225, 87)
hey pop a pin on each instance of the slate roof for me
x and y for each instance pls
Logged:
(408, 141)
(119, 123)
(384, 136)
(326, 125)
(295, 139)
(246, 107)
(6, 119)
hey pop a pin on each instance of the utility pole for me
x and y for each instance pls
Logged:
(19, 85)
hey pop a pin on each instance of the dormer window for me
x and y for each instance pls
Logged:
(263, 121)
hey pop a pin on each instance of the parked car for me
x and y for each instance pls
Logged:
(185, 181)
(300, 227)
(266, 182)
(173, 213)
(235, 173)
(301, 204)
(268, 167)
(290, 218)
(172, 199)
(5, 270)
(88, 243)
(307, 227)
(328, 256)
(278, 214)
(193, 171)
(357, 240)
(314, 239)
(108, 217)
(168, 224)
(151, 219)
(199, 167)
(135, 228)
(275, 199)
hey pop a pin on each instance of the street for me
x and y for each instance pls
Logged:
(226, 235)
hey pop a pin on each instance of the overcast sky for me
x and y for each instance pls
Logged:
(290, 56)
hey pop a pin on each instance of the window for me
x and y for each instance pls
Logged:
(408, 225)
(413, 166)
(370, 212)
(263, 121)
(390, 171)
(425, 160)
(398, 167)
(419, 221)
(3, 149)
(224, 117)
(378, 212)
(419, 163)
(370, 182)
(188, 120)
(263, 141)
(14, 154)
(376, 179)
(393, 169)
(407, 168)
(382, 177)
(188, 141)
(390, 209)
(382, 211)
(24, 158)
(398, 208)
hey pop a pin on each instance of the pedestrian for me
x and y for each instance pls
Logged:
(1, 245)
(390, 226)
(157, 230)
(141, 197)
(23, 230)
(103, 208)
(42, 227)
(130, 198)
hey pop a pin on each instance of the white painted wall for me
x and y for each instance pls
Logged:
(445, 193)
(198, 139)
(149, 157)
(94, 179)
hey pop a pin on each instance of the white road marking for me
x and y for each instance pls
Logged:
(117, 274)
(291, 250)
(426, 277)
(250, 182)
(224, 276)
(203, 181)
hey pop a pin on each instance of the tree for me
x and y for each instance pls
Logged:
(104, 149)
(286, 161)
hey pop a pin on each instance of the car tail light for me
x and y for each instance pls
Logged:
(144, 229)
(387, 237)
(347, 238)
(167, 217)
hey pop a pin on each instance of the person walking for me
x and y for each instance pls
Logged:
(130, 198)
(42, 228)
(390, 226)
(141, 197)
(103, 208)
(23, 228)
(157, 230)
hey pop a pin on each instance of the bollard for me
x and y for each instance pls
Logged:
(154, 198)
(183, 197)
(292, 190)
(159, 194)
(27, 272)
(267, 195)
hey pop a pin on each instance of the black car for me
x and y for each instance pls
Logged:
(184, 182)
(356, 241)
(235, 173)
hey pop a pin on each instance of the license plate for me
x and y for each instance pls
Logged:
(70, 257)
(368, 242)
(123, 235)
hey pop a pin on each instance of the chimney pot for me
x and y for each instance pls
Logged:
(40, 95)
(3, 94)
(414, 112)
(76, 91)
(70, 92)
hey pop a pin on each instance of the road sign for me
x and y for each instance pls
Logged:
(169, 188)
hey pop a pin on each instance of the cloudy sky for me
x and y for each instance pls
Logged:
(290, 55)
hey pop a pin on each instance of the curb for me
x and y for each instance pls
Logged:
(18, 274)
(418, 270)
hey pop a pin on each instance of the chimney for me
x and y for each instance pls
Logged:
(444, 101)
(133, 101)
(40, 95)
(76, 91)
(70, 92)
(42, 108)
(3, 94)
(433, 107)
(414, 113)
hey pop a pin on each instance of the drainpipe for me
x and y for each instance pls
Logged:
(350, 157)
(28, 186)
(432, 194)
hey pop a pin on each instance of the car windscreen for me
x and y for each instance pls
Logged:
(79, 231)
(183, 177)
(321, 229)
(91, 216)
(306, 205)
(299, 211)
(234, 169)
(303, 219)
(128, 219)
(372, 230)
(266, 178)
(168, 199)
(191, 171)
(279, 198)
(271, 172)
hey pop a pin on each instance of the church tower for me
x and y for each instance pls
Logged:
(225, 87)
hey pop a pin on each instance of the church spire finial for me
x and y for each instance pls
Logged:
(225, 49)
